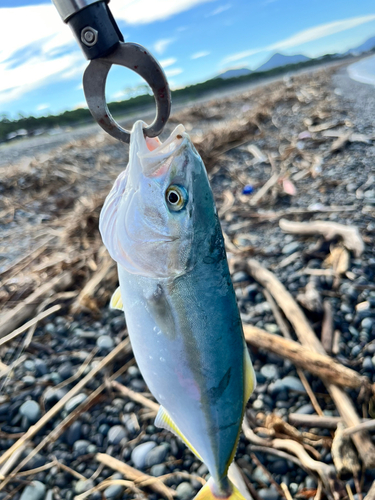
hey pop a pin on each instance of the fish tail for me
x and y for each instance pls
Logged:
(208, 492)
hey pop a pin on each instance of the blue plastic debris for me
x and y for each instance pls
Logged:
(248, 189)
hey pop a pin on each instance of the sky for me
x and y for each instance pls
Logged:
(41, 66)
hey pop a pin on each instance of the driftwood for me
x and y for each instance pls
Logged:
(135, 475)
(371, 493)
(264, 189)
(343, 454)
(310, 298)
(307, 337)
(16, 316)
(327, 327)
(324, 422)
(320, 365)
(350, 235)
(291, 446)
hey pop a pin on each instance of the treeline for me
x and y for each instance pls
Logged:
(81, 116)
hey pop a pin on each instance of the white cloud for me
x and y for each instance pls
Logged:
(37, 48)
(161, 45)
(198, 55)
(174, 72)
(220, 9)
(167, 62)
(30, 58)
(304, 36)
(42, 106)
(148, 11)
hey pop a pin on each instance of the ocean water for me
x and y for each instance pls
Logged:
(363, 71)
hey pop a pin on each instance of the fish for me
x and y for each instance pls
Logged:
(160, 224)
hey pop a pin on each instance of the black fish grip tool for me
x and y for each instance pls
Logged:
(101, 41)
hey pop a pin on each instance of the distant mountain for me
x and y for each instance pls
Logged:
(281, 60)
(233, 73)
(364, 47)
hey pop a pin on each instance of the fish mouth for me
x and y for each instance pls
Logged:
(156, 160)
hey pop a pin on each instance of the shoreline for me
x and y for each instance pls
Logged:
(358, 71)
(26, 149)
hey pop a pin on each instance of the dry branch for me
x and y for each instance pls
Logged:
(320, 365)
(29, 324)
(327, 327)
(350, 235)
(135, 396)
(14, 317)
(307, 337)
(85, 300)
(135, 475)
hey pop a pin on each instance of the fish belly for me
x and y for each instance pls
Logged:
(187, 339)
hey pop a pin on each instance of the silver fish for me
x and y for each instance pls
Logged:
(159, 223)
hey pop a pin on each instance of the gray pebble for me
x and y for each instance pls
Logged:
(270, 372)
(271, 328)
(115, 490)
(239, 276)
(202, 471)
(34, 491)
(258, 404)
(290, 248)
(293, 384)
(367, 323)
(133, 371)
(158, 470)
(306, 409)
(355, 351)
(116, 434)
(156, 455)
(82, 486)
(28, 380)
(293, 488)
(50, 328)
(50, 495)
(75, 401)
(310, 483)
(367, 364)
(29, 365)
(185, 491)
(140, 452)
(105, 342)
(268, 494)
(74, 432)
(259, 475)
(80, 447)
(41, 367)
(30, 410)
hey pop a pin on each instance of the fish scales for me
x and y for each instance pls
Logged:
(178, 298)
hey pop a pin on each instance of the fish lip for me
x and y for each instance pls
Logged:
(151, 161)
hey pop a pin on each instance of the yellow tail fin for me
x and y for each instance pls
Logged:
(206, 493)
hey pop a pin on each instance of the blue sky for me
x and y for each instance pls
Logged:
(41, 66)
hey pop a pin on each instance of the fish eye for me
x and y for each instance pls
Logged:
(176, 197)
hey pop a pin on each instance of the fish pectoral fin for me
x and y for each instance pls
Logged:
(116, 300)
(164, 421)
(250, 380)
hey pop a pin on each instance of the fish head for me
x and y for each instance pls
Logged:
(150, 220)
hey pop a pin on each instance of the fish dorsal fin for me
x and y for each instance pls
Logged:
(164, 421)
(250, 380)
(116, 300)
